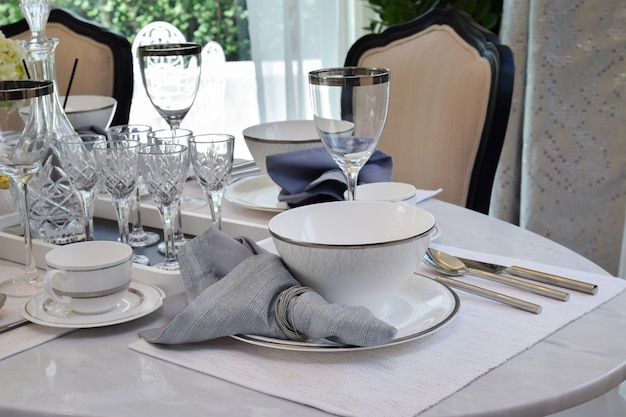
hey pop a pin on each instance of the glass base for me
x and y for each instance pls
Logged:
(192, 203)
(178, 243)
(168, 266)
(21, 286)
(142, 238)
(141, 260)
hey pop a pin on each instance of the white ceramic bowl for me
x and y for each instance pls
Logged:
(279, 137)
(353, 252)
(385, 191)
(86, 111)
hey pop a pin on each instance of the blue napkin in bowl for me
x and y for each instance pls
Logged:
(312, 176)
(232, 286)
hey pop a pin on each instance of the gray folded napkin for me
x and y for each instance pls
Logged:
(312, 176)
(235, 287)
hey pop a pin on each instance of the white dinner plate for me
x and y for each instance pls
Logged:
(419, 308)
(258, 192)
(140, 300)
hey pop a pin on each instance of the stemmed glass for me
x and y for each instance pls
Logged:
(171, 77)
(175, 136)
(350, 110)
(164, 170)
(211, 156)
(138, 237)
(23, 145)
(118, 172)
(78, 160)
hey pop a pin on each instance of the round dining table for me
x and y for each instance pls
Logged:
(92, 372)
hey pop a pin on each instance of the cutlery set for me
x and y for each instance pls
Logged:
(450, 265)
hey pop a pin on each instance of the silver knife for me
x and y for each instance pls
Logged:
(556, 280)
(9, 326)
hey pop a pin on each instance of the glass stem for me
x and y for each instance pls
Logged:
(136, 220)
(122, 210)
(168, 235)
(215, 202)
(86, 199)
(352, 175)
(30, 267)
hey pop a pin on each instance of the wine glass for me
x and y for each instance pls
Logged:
(24, 142)
(78, 160)
(118, 172)
(211, 156)
(138, 237)
(164, 170)
(175, 136)
(350, 108)
(171, 77)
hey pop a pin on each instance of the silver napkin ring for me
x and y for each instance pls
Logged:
(284, 320)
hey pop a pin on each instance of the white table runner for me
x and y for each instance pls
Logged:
(400, 380)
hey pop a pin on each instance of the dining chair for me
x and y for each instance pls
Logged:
(104, 58)
(450, 96)
(142, 111)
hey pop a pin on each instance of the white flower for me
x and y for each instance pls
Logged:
(11, 57)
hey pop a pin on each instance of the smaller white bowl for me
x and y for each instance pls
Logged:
(86, 111)
(385, 191)
(353, 252)
(279, 137)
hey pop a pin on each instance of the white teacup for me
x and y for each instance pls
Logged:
(89, 277)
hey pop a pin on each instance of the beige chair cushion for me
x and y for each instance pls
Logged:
(439, 93)
(94, 73)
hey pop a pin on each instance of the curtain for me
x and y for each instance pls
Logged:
(288, 39)
(562, 173)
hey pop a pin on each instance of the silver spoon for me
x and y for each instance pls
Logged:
(9, 326)
(452, 266)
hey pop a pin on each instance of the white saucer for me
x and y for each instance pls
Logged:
(258, 192)
(419, 308)
(140, 300)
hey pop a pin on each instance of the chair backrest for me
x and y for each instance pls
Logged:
(450, 97)
(104, 58)
(142, 110)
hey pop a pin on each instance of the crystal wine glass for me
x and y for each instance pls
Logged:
(118, 172)
(175, 136)
(350, 109)
(211, 156)
(24, 142)
(164, 170)
(78, 160)
(138, 237)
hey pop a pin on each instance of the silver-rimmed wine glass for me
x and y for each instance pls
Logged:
(24, 143)
(118, 172)
(171, 76)
(164, 170)
(350, 109)
(78, 160)
(211, 156)
(138, 237)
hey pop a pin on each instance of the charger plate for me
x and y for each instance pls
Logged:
(419, 308)
(140, 300)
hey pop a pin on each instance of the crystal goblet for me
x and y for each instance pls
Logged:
(164, 170)
(138, 237)
(211, 156)
(118, 172)
(78, 160)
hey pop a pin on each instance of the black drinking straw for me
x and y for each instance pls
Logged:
(69, 85)
(26, 69)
